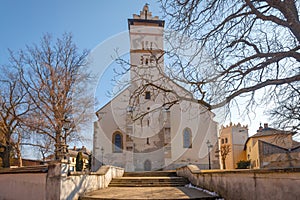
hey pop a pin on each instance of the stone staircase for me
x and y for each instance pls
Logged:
(170, 173)
(147, 185)
(149, 179)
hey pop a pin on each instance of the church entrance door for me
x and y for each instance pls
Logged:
(147, 165)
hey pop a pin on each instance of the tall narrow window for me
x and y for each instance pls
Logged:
(187, 138)
(117, 142)
(147, 95)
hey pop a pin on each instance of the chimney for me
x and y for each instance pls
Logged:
(266, 125)
(83, 148)
(74, 148)
(260, 128)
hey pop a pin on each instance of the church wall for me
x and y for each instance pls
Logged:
(185, 115)
(203, 128)
(155, 158)
(114, 117)
(111, 120)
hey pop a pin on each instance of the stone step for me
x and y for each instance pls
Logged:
(150, 173)
(148, 182)
(148, 185)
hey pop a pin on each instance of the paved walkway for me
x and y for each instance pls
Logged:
(147, 193)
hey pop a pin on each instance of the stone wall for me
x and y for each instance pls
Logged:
(23, 183)
(246, 184)
(74, 185)
(52, 182)
(22, 186)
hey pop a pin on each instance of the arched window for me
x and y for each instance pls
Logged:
(117, 142)
(187, 138)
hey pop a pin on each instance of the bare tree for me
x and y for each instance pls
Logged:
(14, 106)
(54, 75)
(251, 45)
(286, 114)
(224, 151)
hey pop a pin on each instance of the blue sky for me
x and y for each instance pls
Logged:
(92, 22)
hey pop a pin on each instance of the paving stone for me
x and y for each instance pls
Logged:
(147, 193)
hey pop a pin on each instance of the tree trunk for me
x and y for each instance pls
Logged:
(224, 165)
(6, 157)
(19, 156)
(57, 146)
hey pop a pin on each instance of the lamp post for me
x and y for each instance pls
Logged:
(102, 151)
(208, 147)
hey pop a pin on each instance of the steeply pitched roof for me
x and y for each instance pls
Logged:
(74, 151)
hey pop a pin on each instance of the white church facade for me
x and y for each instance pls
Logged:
(140, 129)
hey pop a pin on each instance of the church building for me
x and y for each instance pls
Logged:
(142, 128)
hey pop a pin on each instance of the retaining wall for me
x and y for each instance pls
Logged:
(246, 184)
(52, 182)
(23, 186)
(76, 184)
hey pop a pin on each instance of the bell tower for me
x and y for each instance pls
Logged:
(146, 46)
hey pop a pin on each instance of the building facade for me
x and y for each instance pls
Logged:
(136, 130)
(272, 148)
(232, 141)
(268, 148)
(72, 156)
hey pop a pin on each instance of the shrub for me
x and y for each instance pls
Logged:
(79, 162)
(243, 164)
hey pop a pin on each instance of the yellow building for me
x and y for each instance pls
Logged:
(231, 141)
(272, 148)
(268, 148)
